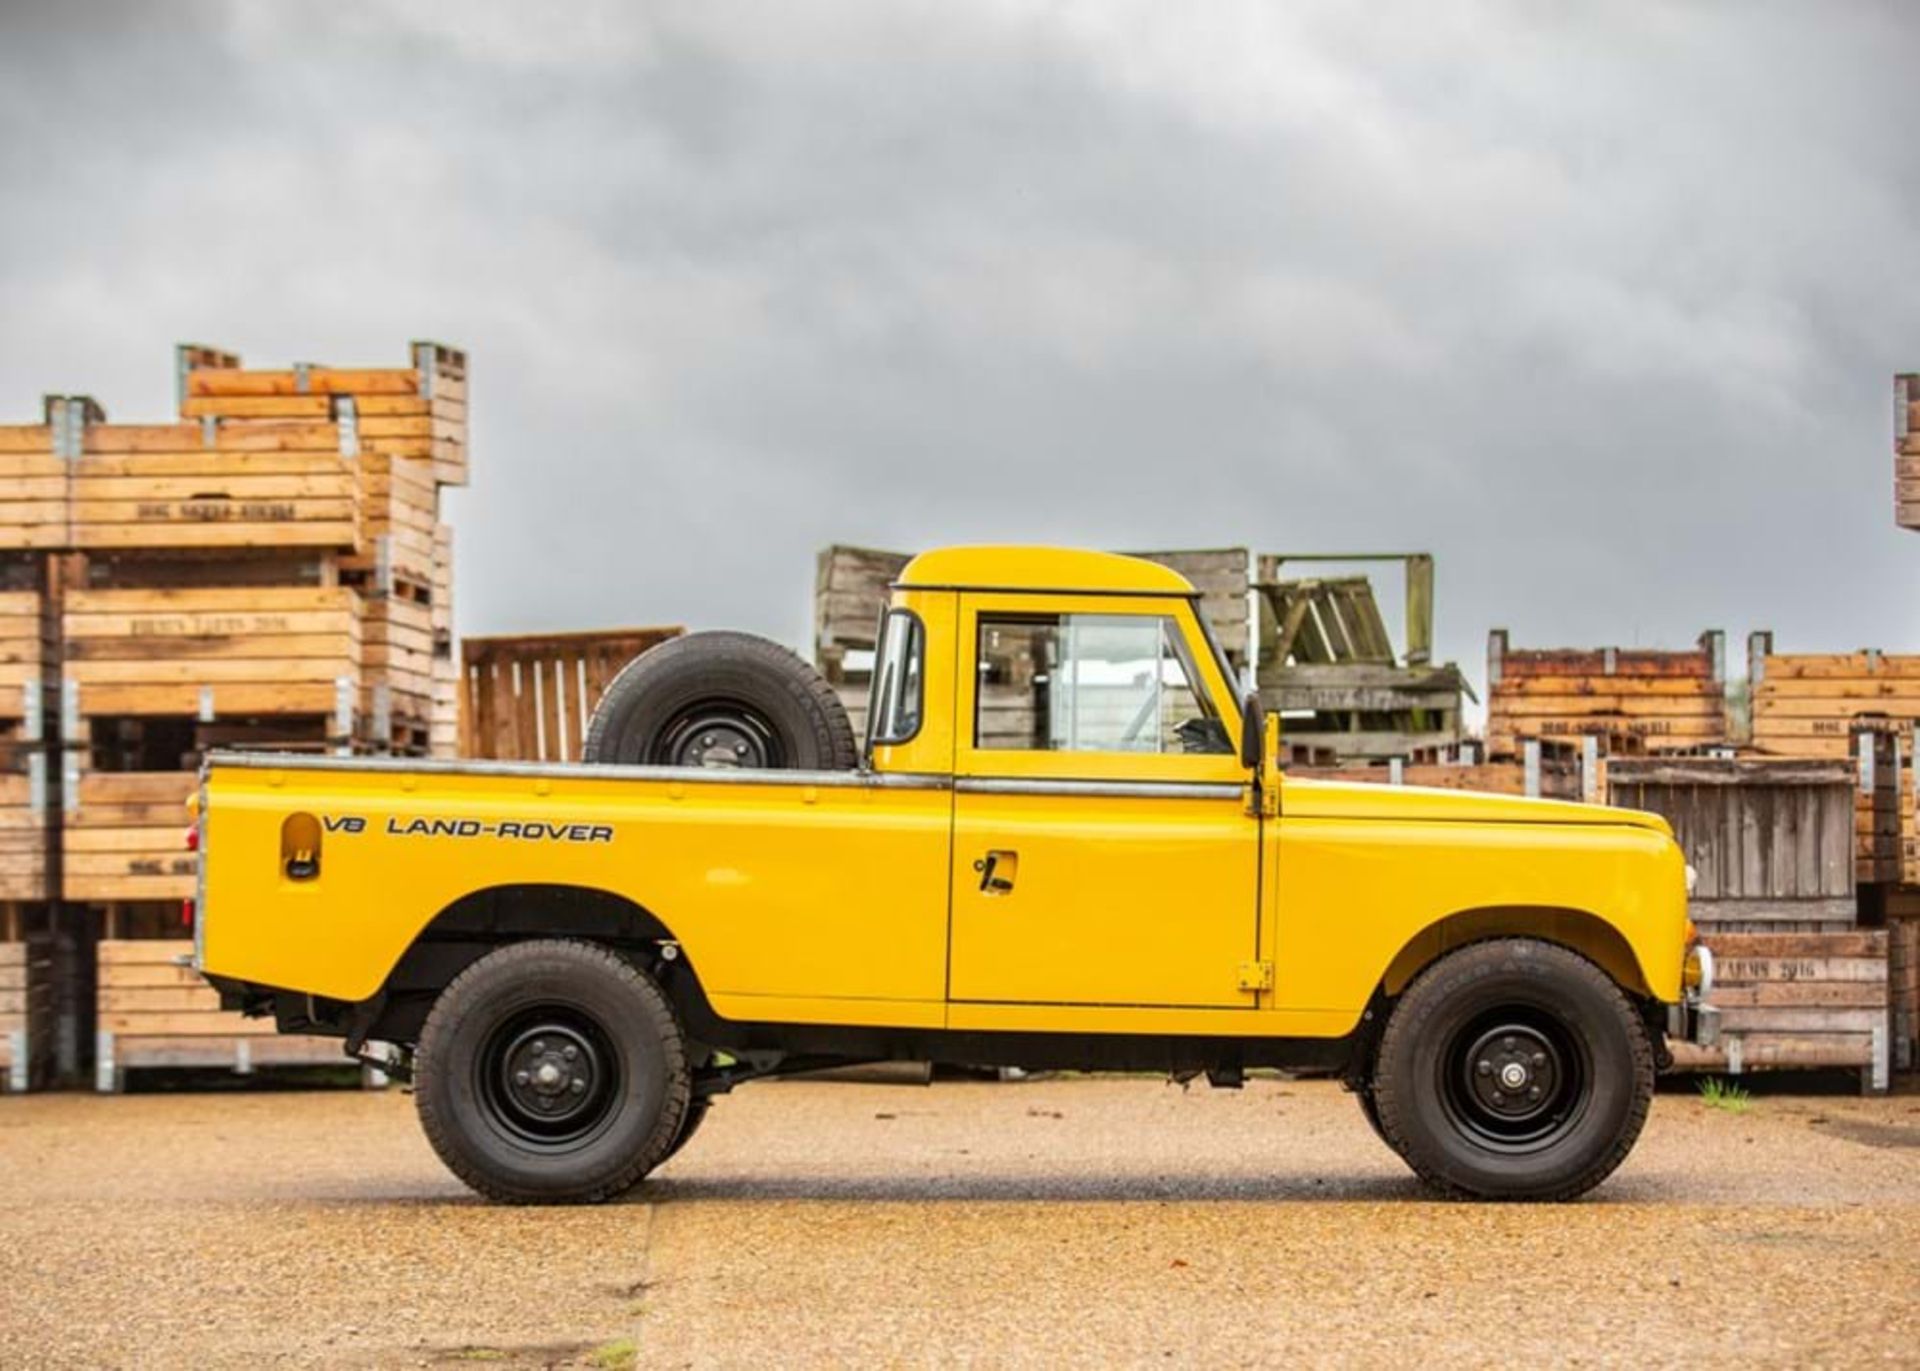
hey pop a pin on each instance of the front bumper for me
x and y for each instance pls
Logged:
(1693, 1020)
(1698, 1024)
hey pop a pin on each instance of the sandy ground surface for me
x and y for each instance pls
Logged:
(1048, 1222)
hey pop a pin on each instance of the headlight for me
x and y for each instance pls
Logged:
(1696, 973)
(1693, 878)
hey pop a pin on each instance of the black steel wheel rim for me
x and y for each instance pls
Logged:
(724, 734)
(1515, 1079)
(549, 1078)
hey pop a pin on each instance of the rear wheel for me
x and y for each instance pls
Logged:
(721, 699)
(552, 1072)
(1513, 1069)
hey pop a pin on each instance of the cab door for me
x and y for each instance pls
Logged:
(1103, 850)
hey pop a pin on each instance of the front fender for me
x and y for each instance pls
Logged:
(1364, 903)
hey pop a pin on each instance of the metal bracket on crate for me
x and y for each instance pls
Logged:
(209, 431)
(343, 692)
(383, 564)
(18, 1074)
(424, 355)
(206, 704)
(1530, 766)
(1590, 769)
(70, 783)
(347, 415)
(68, 420)
(1610, 659)
(1396, 771)
(37, 782)
(1863, 747)
(242, 1057)
(303, 378)
(383, 713)
(70, 710)
(33, 722)
(106, 1079)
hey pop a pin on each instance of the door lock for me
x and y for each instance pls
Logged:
(997, 870)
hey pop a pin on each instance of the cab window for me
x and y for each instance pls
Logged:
(1090, 683)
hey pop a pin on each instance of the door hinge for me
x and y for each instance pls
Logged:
(1256, 976)
(1263, 801)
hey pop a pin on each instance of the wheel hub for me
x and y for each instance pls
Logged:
(550, 1080)
(1514, 1079)
(720, 735)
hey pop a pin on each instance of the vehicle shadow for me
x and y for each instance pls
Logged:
(991, 1188)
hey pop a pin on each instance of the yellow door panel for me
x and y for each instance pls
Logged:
(1103, 899)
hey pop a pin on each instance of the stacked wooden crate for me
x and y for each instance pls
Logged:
(851, 585)
(26, 778)
(1819, 705)
(267, 570)
(1635, 701)
(404, 430)
(26, 1008)
(154, 1010)
(1801, 984)
(1906, 450)
(1901, 914)
(530, 698)
(1555, 773)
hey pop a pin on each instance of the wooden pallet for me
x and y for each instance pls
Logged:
(531, 698)
(1772, 840)
(1635, 701)
(124, 837)
(1798, 1001)
(152, 1010)
(26, 1014)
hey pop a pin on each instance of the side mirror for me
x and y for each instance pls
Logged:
(1253, 730)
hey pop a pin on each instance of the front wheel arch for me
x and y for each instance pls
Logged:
(1577, 930)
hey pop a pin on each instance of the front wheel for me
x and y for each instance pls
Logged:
(1513, 1069)
(552, 1072)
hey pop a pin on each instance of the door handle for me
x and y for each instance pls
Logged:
(997, 870)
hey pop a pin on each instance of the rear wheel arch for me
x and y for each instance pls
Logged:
(1578, 930)
(484, 920)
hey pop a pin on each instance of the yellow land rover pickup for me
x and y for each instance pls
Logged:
(1065, 843)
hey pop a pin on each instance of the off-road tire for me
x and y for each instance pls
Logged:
(1370, 1111)
(638, 1092)
(764, 703)
(696, 1115)
(1425, 1089)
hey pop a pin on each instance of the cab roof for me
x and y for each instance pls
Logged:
(1040, 568)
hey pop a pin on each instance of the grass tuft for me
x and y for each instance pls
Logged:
(619, 1355)
(1719, 1093)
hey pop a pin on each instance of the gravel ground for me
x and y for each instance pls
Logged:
(1052, 1222)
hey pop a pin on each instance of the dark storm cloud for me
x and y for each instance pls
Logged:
(1601, 310)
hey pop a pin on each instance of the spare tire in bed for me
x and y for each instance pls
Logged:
(721, 699)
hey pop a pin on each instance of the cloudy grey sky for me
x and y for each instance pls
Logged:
(1601, 309)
